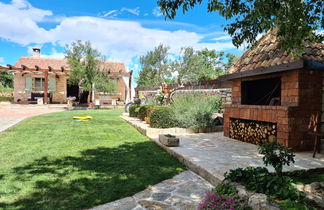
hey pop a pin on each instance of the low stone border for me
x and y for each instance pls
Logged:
(146, 130)
(314, 192)
(153, 134)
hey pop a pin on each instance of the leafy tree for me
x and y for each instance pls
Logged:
(189, 66)
(296, 20)
(201, 65)
(6, 79)
(103, 82)
(84, 61)
(155, 67)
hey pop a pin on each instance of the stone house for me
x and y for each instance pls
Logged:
(276, 95)
(33, 74)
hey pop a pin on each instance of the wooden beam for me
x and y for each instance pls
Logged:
(9, 66)
(46, 88)
(37, 67)
(24, 67)
(50, 68)
(62, 68)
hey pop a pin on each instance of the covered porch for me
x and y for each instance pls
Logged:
(38, 85)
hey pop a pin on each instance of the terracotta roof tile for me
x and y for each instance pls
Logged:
(267, 52)
(55, 63)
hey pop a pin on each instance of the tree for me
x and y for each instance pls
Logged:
(155, 67)
(201, 65)
(84, 61)
(296, 20)
(6, 79)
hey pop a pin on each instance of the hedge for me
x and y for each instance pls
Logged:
(133, 111)
(162, 117)
(142, 113)
(6, 98)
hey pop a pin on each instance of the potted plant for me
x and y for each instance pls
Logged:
(166, 90)
(147, 120)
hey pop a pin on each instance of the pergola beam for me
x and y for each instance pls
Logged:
(25, 68)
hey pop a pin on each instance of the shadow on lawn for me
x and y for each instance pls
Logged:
(98, 176)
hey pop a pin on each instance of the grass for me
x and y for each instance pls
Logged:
(53, 162)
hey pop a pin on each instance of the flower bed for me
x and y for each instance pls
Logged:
(190, 111)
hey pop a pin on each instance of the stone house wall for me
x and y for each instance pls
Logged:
(59, 96)
(300, 100)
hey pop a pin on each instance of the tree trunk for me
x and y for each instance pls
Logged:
(89, 97)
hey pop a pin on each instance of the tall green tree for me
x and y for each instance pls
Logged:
(194, 66)
(296, 20)
(155, 67)
(84, 61)
(6, 79)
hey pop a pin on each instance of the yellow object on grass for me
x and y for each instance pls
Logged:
(82, 117)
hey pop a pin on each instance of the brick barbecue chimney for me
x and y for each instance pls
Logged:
(36, 52)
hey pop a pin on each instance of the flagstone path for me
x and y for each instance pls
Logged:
(183, 192)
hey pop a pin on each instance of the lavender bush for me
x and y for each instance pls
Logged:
(213, 201)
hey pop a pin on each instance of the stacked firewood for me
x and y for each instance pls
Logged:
(252, 131)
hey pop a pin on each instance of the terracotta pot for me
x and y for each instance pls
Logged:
(166, 90)
(147, 120)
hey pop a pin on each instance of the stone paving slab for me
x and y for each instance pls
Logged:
(210, 155)
(182, 192)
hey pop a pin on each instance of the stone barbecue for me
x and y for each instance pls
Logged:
(274, 89)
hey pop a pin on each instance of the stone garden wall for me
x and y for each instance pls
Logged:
(224, 93)
(210, 87)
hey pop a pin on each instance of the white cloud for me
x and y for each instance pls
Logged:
(118, 40)
(1, 59)
(157, 12)
(225, 37)
(111, 13)
(135, 11)
(18, 22)
(115, 13)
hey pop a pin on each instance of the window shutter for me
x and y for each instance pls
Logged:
(52, 84)
(28, 84)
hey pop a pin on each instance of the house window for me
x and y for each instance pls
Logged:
(262, 92)
(38, 84)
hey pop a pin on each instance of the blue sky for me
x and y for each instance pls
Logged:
(121, 30)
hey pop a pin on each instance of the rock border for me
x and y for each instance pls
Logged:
(146, 130)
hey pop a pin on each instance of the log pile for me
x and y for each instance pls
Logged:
(252, 131)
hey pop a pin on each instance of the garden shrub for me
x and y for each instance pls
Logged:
(6, 98)
(162, 117)
(260, 180)
(225, 189)
(5, 89)
(142, 112)
(195, 111)
(276, 155)
(137, 102)
(133, 111)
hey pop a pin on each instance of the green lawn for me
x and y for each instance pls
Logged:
(53, 162)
